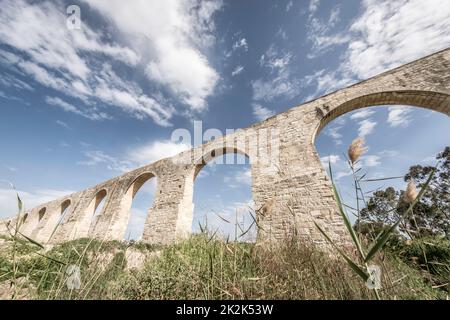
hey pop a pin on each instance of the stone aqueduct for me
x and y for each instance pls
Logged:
(288, 196)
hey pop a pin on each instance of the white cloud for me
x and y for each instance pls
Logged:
(280, 82)
(313, 5)
(134, 157)
(390, 33)
(261, 113)
(319, 33)
(62, 124)
(332, 158)
(237, 71)
(370, 160)
(241, 43)
(387, 34)
(23, 28)
(154, 151)
(98, 157)
(170, 43)
(334, 133)
(289, 6)
(8, 80)
(365, 113)
(73, 62)
(366, 127)
(8, 200)
(89, 114)
(244, 177)
(398, 116)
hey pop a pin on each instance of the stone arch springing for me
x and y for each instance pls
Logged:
(134, 224)
(242, 222)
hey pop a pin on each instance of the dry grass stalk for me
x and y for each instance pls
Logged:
(356, 149)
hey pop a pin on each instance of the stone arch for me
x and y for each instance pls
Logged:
(55, 219)
(65, 204)
(433, 100)
(127, 201)
(209, 156)
(42, 213)
(93, 215)
(213, 153)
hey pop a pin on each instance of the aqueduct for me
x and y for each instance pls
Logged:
(288, 195)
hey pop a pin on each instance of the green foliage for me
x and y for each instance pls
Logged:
(205, 268)
(431, 216)
(431, 255)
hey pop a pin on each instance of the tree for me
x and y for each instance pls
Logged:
(431, 215)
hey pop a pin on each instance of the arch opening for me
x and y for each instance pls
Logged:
(435, 101)
(136, 204)
(64, 210)
(401, 130)
(98, 204)
(222, 196)
(41, 213)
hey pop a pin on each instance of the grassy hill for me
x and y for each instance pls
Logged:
(202, 267)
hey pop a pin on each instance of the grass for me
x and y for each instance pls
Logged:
(201, 268)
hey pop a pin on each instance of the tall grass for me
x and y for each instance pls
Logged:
(366, 254)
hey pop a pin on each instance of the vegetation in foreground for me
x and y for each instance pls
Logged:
(205, 268)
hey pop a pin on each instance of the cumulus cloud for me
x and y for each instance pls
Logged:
(385, 35)
(154, 151)
(170, 43)
(78, 63)
(362, 114)
(366, 127)
(137, 156)
(399, 116)
(261, 113)
(333, 132)
(279, 82)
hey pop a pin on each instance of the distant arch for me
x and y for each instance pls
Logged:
(99, 201)
(133, 191)
(436, 101)
(95, 208)
(64, 209)
(41, 213)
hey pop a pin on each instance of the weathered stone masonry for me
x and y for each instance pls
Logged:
(288, 196)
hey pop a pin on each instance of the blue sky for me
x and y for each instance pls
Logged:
(82, 106)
